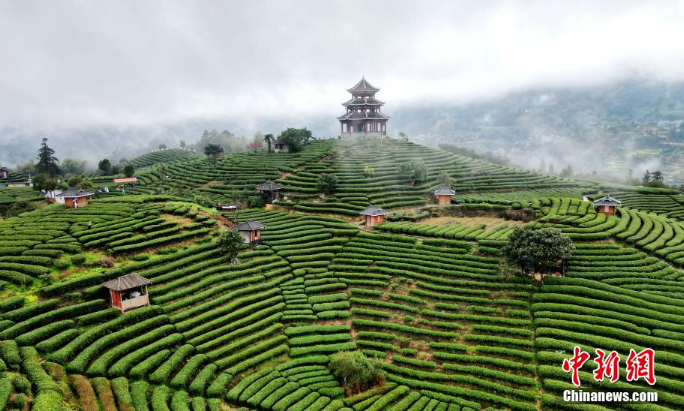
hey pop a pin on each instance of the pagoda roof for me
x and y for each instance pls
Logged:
(76, 193)
(363, 86)
(249, 226)
(607, 200)
(445, 191)
(363, 115)
(363, 101)
(126, 282)
(374, 210)
(269, 186)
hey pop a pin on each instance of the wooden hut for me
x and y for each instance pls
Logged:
(444, 194)
(250, 231)
(374, 215)
(270, 191)
(280, 146)
(76, 197)
(607, 205)
(128, 292)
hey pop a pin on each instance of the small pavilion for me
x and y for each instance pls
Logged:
(4, 172)
(444, 194)
(374, 215)
(270, 191)
(76, 197)
(128, 292)
(607, 205)
(250, 231)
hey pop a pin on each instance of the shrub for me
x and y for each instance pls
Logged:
(61, 264)
(78, 259)
(355, 371)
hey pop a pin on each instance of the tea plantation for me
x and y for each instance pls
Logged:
(453, 328)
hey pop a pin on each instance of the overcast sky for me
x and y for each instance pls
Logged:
(74, 64)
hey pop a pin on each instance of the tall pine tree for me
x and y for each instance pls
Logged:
(47, 162)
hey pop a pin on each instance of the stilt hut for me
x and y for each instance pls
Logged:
(444, 194)
(270, 191)
(374, 215)
(607, 205)
(250, 231)
(128, 292)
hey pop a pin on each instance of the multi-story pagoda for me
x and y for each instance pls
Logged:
(363, 117)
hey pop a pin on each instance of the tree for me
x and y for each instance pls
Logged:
(647, 178)
(213, 150)
(295, 138)
(105, 166)
(403, 136)
(73, 166)
(38, 181)
(538, 249)
(368, 171)
(75, 181)
(230, 242)
(355, 371)
(414, 170)
(162, 146)
(47, 162)
(542, 166)
(444, 179)
(129, 170)
(268, 139)
(566, 172)
(183, 144)
(255, 145)
(326, 183)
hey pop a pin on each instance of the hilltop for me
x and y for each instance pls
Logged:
(426, 293)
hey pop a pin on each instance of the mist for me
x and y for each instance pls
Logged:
(102, 77)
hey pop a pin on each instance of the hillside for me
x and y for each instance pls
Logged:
(426, 293)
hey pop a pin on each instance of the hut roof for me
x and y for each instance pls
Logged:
(269, 186)
(249, 226)
(126, 282)
(445, 191)
(76, 193)
(607, 200)
(374, 210)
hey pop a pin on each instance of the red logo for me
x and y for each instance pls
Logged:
(638, 365)
(641, 365)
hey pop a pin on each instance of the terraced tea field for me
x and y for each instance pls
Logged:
(451, 326)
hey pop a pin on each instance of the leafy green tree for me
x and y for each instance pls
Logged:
(129, 170)
(49, 184)
(75, 181)
(268, 139)
(38, 181)
(368, 171)
(231, 242)
(295, 138)
(47, 162)
(355, 371)
(105, 166)
(116, 169)
(537, 248)
(73, 166)
(213, 150)
(414, 171)
(403, 136)
(444, 179)
(326, 183)
(567, 172)
(162, 146)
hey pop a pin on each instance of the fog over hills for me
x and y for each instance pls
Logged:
(480, 74)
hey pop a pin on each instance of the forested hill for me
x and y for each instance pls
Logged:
(449, 324)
